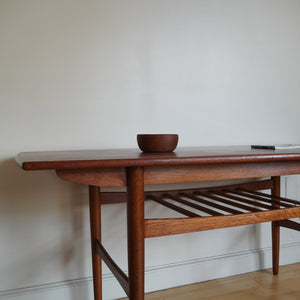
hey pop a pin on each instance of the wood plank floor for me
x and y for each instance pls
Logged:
(257, 285)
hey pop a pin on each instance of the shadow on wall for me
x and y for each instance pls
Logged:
(43, 228)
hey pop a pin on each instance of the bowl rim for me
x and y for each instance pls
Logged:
(157, 134)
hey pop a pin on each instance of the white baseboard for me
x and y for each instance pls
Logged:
(162, 277)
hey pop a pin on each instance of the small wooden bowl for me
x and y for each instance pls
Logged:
(157, 142)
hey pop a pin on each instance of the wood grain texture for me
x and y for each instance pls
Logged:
(162, 227)
(259, 285)
(207, 172)
(80, 159)
(135, 232)
(95, 226)
(275, 227)
(133, 168)
(105, 177)
(112, 177)
(121, 197)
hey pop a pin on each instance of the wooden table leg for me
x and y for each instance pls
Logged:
(95, 223)
(135, 232)
(275, 230)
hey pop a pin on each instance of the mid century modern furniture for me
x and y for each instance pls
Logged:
(202, 209)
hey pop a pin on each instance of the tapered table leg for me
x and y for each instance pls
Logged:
(95, 223)
(136, 232)
(275, 230)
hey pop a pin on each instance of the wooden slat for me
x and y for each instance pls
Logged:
(172, 206)
(289, 224)
(232, 203)
(243, 200)
(119, 274)
(270, 196)
(162, 227)
(212, 204)
(196, 206)
(273, 201)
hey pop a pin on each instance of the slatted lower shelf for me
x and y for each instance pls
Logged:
(218, 208)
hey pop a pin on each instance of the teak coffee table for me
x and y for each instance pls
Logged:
(202, 209)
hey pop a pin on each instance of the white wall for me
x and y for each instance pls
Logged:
(92, 74)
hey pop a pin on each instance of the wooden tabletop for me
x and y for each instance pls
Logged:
(82, 159)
